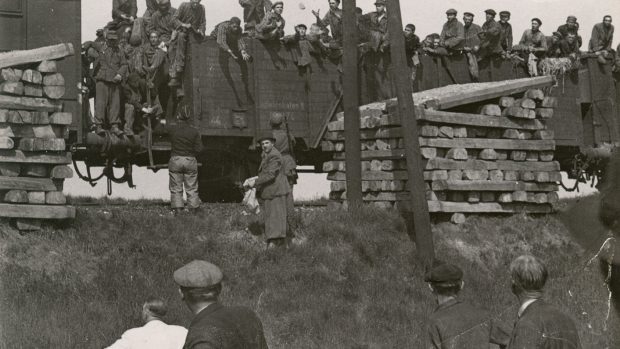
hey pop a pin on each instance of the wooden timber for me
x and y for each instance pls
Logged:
(36, 211)
(61, 118)
(18, 156)
(29, 103)
(41, 144)
(47, 66)
(14, 58)
(491, 186)
(28, 184)
(6, 143)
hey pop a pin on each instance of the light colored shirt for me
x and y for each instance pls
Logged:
(525, 305)
(154, 335)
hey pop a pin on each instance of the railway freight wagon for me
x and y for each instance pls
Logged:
(233, 101)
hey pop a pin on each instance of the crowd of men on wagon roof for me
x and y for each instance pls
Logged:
(135, 63)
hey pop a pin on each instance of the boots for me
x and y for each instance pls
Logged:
(115, 130)
(99, 130)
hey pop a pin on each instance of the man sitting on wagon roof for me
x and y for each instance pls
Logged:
(229, 38)
(189, 18)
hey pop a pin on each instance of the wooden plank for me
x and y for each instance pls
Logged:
(10, 170)
(12, 88)
(61, 172)
(32, 76)
(492, 186)
(16, 196)
(4, 115)
(491, 110)
(6, 131)
(465, 119)
(29, 103)
(18, 156)
(55, 198)
(31, 131)
(504, 165)
(36, 211)
(13, 58)
(480, 143)
(36, 170)
(6, 143)
(47, 66)
(25, 224)
(36, 197)
(40, 144)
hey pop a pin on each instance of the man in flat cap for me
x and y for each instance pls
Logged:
(602, 37)
(272, 190)
(155, 334)
(162, 21)
(569, 47)
(272, 25)
(332, 19)
(456, 324)
(539, 325)
(533, 40)
(452, 33)
(471, 44)
(505, 36)
(109, 70)
(214, 325)
(571, 26)
(490, 45)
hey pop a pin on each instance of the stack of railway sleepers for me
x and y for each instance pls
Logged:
(33, 128)
(486, 148)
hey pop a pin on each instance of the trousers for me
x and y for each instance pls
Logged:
(107, 103)
(178, 48)
(183, 171)
(130, 112)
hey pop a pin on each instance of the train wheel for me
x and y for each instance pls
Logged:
(221, 175)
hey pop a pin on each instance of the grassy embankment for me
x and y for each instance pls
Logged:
(353, 283)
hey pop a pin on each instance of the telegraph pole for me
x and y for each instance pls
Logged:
(406, 109)
(350, 85)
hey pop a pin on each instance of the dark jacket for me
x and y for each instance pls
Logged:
(601, 38)
(220, 327)
(564, 29)
(126, 7)
(163, 23)
(459, 325)
(543, 326)
(227, 38)
(111, 61)
(333, 20)
(185, 140)
(505, 36)
(491, 35)
(268, 28)
(471, 36)
(271, 181)
(452, 35)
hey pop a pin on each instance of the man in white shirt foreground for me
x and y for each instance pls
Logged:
(155, 334)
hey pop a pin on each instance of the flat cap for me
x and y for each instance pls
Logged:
(301, 25)
(537, 20)
(380, 2)
(277, 3)
(571, 19)
(451, 12)
(505, 13)
(444, 274)
(265, 135)
(557, 34)
(468, 14)
(490, 12)
(198, 274)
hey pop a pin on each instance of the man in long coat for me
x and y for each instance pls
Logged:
(272, 190)
(490, 36)
(602, 36)
(452, 33)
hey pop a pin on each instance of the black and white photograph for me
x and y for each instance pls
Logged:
(346, 174)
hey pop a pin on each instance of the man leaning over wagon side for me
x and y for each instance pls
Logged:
(452, 33)
(229, 38)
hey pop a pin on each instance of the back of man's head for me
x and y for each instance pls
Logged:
(155, 307)
(528, 273)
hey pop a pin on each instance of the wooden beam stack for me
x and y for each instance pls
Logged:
(486, 149)
(33, 129)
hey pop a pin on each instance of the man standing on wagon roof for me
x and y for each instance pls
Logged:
(188, 19)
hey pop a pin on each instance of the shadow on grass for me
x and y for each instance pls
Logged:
(354, 283)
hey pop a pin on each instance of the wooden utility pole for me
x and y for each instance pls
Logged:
(415, 166)
(350, 85)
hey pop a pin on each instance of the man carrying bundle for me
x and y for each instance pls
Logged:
(230, 40)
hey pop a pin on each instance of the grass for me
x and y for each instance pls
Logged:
(353, 283)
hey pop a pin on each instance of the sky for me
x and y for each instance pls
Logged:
(428, 19)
